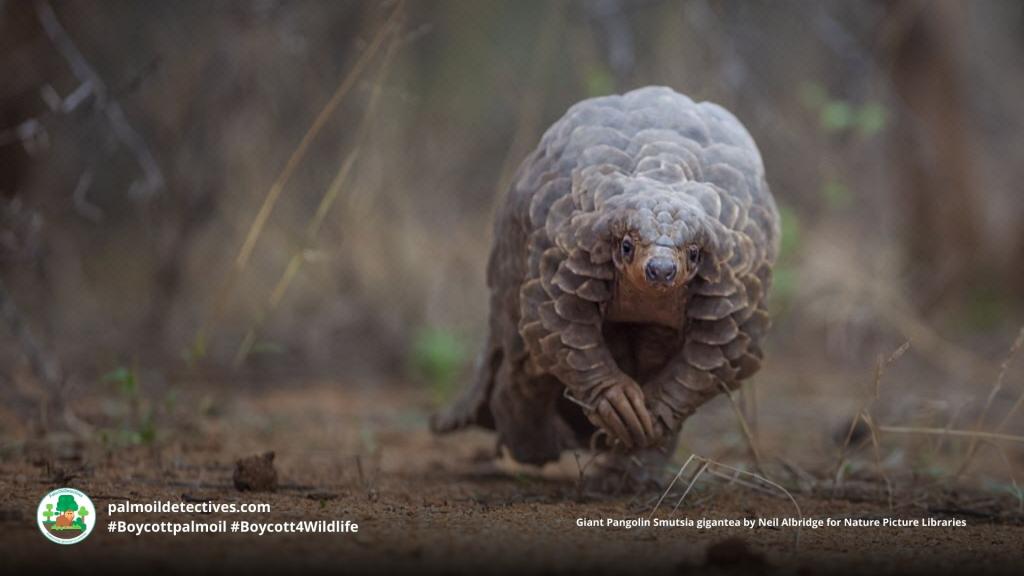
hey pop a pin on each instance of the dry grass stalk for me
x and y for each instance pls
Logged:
(997, 387)
(1013, 410)
(880, 367)
(708, 466)
(689, 486)
(679, 473)
(1013, 478)
(294, 263)
(877, 450)
(949, 426)
(277, 188)
(799, 474)
(744, 426)
(300, 151)
(327, 201)
(734, 478)
(979, 434)
(751, 409)
(581, 468)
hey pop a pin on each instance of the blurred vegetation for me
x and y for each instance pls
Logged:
(838, 116)
(438, 357)
(784, 278)
(136, 414)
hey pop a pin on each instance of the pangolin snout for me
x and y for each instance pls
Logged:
(660, 270)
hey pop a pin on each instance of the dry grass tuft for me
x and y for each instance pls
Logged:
(714, 468)
(997, 387)
(277, 188)
(865, 414)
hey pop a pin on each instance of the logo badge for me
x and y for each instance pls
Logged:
(66, 516)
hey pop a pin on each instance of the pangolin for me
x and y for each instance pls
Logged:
(630, 265)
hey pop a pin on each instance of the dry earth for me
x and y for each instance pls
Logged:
(420, 501)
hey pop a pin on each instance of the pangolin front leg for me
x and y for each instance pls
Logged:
(726, 321)
(561, 322)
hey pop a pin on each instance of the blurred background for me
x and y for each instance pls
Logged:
(276, 192)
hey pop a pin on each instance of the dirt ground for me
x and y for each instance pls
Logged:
(444, 503)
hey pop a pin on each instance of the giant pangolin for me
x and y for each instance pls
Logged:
(628, 276)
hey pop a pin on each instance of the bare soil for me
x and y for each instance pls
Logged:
(445, 503)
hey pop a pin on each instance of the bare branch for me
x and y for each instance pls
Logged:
(44, 365)
(91, 83)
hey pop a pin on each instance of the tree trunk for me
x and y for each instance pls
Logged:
(931, 150)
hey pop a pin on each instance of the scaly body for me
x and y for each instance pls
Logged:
(630, 266)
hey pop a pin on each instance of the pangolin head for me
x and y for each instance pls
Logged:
(657, 237)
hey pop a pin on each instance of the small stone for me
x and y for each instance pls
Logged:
(256, 473)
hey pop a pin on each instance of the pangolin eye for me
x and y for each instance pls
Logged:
(627, 248)
(693, 253)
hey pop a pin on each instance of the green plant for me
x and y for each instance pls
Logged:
(836, 116)
(125, 380)
(784, 274)
(790, 226)
(839, 116)
(138, 425)
(438, 356)
(599, 81)
(871, 119)
(837, 195)
(196, 352)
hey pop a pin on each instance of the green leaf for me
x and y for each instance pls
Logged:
(836, 194)
(871, 119)
(599, 81)
(812, 94)
(124, 378)
(790, 232)
(196, 352)
(836, 116)
(147, 429)
(438, 356)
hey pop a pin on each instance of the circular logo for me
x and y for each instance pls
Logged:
(66, 516)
